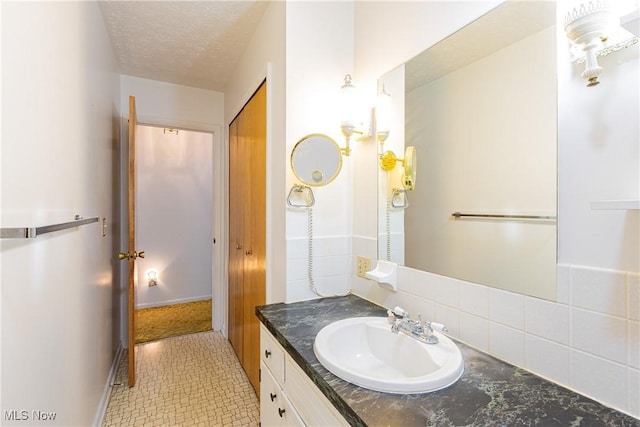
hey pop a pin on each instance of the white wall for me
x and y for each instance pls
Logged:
(184, 107)
(599, 158)
(60, 142)
(593, 326)
(319, 54)
(168, 104)
(174, 202)
(263, 59)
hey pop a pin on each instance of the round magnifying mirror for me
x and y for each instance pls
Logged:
(410, 167)
(316, 160)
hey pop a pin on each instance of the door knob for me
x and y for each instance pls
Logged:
(128, 255)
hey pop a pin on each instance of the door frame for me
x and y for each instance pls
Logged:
(218, 262)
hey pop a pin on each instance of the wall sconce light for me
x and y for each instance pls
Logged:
(383, 116)
(350, 120)
(152, 277)
(595, 30)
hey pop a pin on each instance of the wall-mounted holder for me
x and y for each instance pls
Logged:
(399, 198)
(300, 196)
(385, 273)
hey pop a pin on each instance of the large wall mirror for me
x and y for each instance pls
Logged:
(480, 107)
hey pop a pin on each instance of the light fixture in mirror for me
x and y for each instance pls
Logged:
(480, 109)
(316, 160)
(383, 116)
(409, 163)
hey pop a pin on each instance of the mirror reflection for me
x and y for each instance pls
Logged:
(316, 160)
(480, 109)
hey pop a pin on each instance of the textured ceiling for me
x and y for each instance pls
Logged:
(193, 43)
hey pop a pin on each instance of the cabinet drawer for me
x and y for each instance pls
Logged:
(272, 354)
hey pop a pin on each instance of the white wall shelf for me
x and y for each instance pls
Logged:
(616, 204)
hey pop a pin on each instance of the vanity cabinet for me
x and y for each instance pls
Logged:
(287, 396)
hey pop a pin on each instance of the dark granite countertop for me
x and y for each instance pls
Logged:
(490, 392)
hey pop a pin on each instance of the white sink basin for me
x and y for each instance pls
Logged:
(364, 351)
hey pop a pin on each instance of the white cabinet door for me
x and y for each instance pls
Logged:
(269, 398)
(290, 417)
(275, 408)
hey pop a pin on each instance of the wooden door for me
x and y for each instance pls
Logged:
(247, 231)
(131, 253)
(254, 283)
(236, 252)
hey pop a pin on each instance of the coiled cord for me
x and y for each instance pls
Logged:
(312, 283)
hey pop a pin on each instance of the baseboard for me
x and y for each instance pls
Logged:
(106, 394)
(172, 302)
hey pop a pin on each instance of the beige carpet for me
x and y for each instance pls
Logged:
(172, 320)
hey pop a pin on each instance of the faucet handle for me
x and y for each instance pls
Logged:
(438, 327)
(399, 311)
(391, 318)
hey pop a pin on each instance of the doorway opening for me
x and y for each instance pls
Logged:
(174, 204)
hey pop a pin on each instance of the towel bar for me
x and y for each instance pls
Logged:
(33, 232)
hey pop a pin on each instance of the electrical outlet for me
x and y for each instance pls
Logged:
(364, 265)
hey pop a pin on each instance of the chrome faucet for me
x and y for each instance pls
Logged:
(422, 331)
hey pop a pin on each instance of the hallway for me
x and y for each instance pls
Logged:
(191, 380)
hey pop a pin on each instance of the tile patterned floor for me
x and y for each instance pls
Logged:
(191, 380)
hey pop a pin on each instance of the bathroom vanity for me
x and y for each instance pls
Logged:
(490, 392)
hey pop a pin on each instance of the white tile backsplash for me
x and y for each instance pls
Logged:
(599, 334)
(633, 300)
(547, 358)
(425, 286)
(407, 302)
(506, 308)
(474, 299)
(409, 279)
(506, 343)
(634, 392)
(449, 317)
(634, 344)
(447, 291)
(426, 308)
(601, 379)
(547, 319)
(590, 344)
(599, 290)
(474, 331)
(563, 282)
